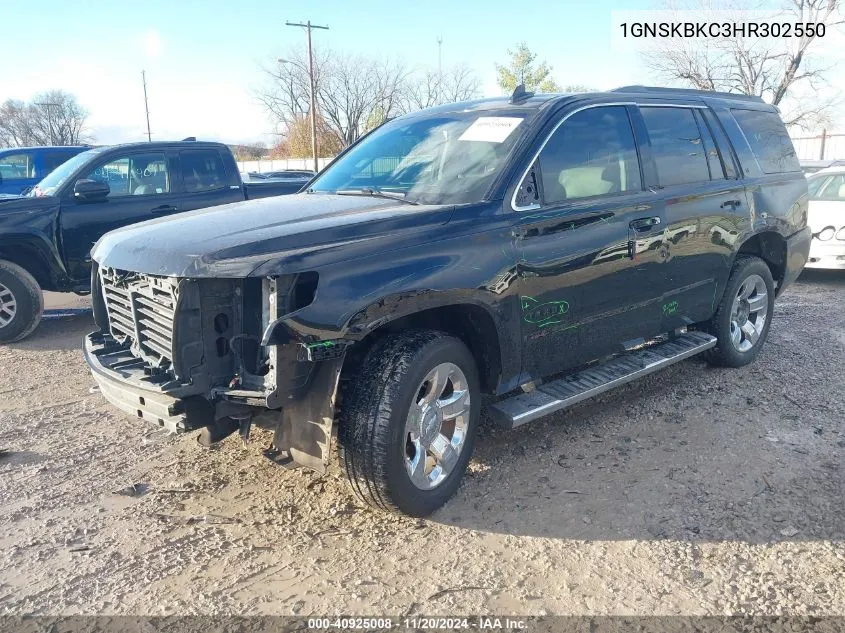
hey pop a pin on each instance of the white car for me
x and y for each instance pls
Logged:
(827, 218)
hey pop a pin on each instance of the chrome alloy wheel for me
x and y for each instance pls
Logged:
(436, 427)
(8, 306)
(749, 312)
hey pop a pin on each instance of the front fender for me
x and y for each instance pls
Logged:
(37, 254)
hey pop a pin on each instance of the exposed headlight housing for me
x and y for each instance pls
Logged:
(826, 233)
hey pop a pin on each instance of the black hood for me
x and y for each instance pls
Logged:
(234, 240)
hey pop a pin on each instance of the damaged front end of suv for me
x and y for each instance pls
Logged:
(217, 354)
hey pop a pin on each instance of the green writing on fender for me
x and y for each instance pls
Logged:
(542, 314)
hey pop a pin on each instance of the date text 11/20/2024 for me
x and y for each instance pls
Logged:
(485, 623)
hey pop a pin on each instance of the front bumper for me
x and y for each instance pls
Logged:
(797, 251)
(827, 254)
(124, 383)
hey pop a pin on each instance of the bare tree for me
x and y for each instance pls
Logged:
(287, 96)
(359, 94)
(778, 70)
(427, 88)
(353, 93)
(51, 118)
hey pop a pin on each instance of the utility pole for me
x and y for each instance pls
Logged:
(146, 105)
(308, 26)
(439, 67)
(47, 106)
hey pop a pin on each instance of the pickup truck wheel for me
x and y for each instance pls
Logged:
(742, 320)
(21, 303)
(408, 421)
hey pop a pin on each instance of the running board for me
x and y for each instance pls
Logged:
(564, 392)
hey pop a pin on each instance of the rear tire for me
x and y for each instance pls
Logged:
(408, 421)
(742, 320)
(21, 303)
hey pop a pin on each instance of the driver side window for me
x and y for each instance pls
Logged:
(135, 175)
(591, 154)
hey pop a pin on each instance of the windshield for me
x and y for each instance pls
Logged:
(444, 158)
(56, 178)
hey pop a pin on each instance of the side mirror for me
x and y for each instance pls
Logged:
(86, 190)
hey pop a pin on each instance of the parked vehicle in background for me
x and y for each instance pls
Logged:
(46, 236)
(472, 248)
(814, 166)
(291, 174)
(827, 218)
(23, 167)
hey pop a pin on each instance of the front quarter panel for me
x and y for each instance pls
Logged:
(469, 261)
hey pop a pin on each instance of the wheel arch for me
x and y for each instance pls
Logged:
(471, 323)
(27, 252)
(770, 246)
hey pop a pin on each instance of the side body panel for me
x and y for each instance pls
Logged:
(469, 261)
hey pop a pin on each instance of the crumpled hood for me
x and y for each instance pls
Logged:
(275, 234)
(17, 212)
(10, 202)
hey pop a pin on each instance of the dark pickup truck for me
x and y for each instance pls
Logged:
(46, 236)
(536, 250)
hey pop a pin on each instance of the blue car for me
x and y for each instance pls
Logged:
(23, 167)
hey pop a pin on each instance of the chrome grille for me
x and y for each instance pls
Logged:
(141, 309)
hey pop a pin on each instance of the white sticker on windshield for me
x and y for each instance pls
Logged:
(493, 129)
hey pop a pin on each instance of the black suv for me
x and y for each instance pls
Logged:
(538, 249)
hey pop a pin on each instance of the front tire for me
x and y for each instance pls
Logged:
(408, 421)
(21, 303)
(742, 320)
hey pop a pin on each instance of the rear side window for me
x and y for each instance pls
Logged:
(202, 170)
(591, 154)
(16, 166)
(677, 145)
(769, 141)
(722, 142)
(53, 160)
(714, 162)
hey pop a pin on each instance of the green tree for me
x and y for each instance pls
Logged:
(524, 69)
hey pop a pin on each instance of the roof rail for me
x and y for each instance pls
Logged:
(690, 91)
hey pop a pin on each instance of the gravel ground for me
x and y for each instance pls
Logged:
(694, 491)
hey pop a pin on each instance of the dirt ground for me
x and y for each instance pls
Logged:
(695, 491)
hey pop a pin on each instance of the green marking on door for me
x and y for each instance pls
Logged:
(670, 308)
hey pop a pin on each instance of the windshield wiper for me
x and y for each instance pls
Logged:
(375, 193)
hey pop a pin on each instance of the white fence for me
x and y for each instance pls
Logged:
(822, 147)
(263, 166)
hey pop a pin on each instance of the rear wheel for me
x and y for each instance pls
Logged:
(742, 320)
(21, 303)
(408, 421)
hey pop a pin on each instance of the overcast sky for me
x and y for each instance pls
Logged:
(203, 59)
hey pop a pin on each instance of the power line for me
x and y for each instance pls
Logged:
(146, 105)
(439, 66)
(308, 26)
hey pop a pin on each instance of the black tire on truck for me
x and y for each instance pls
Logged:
(743, 318)
(408, 421)
(21, 303)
